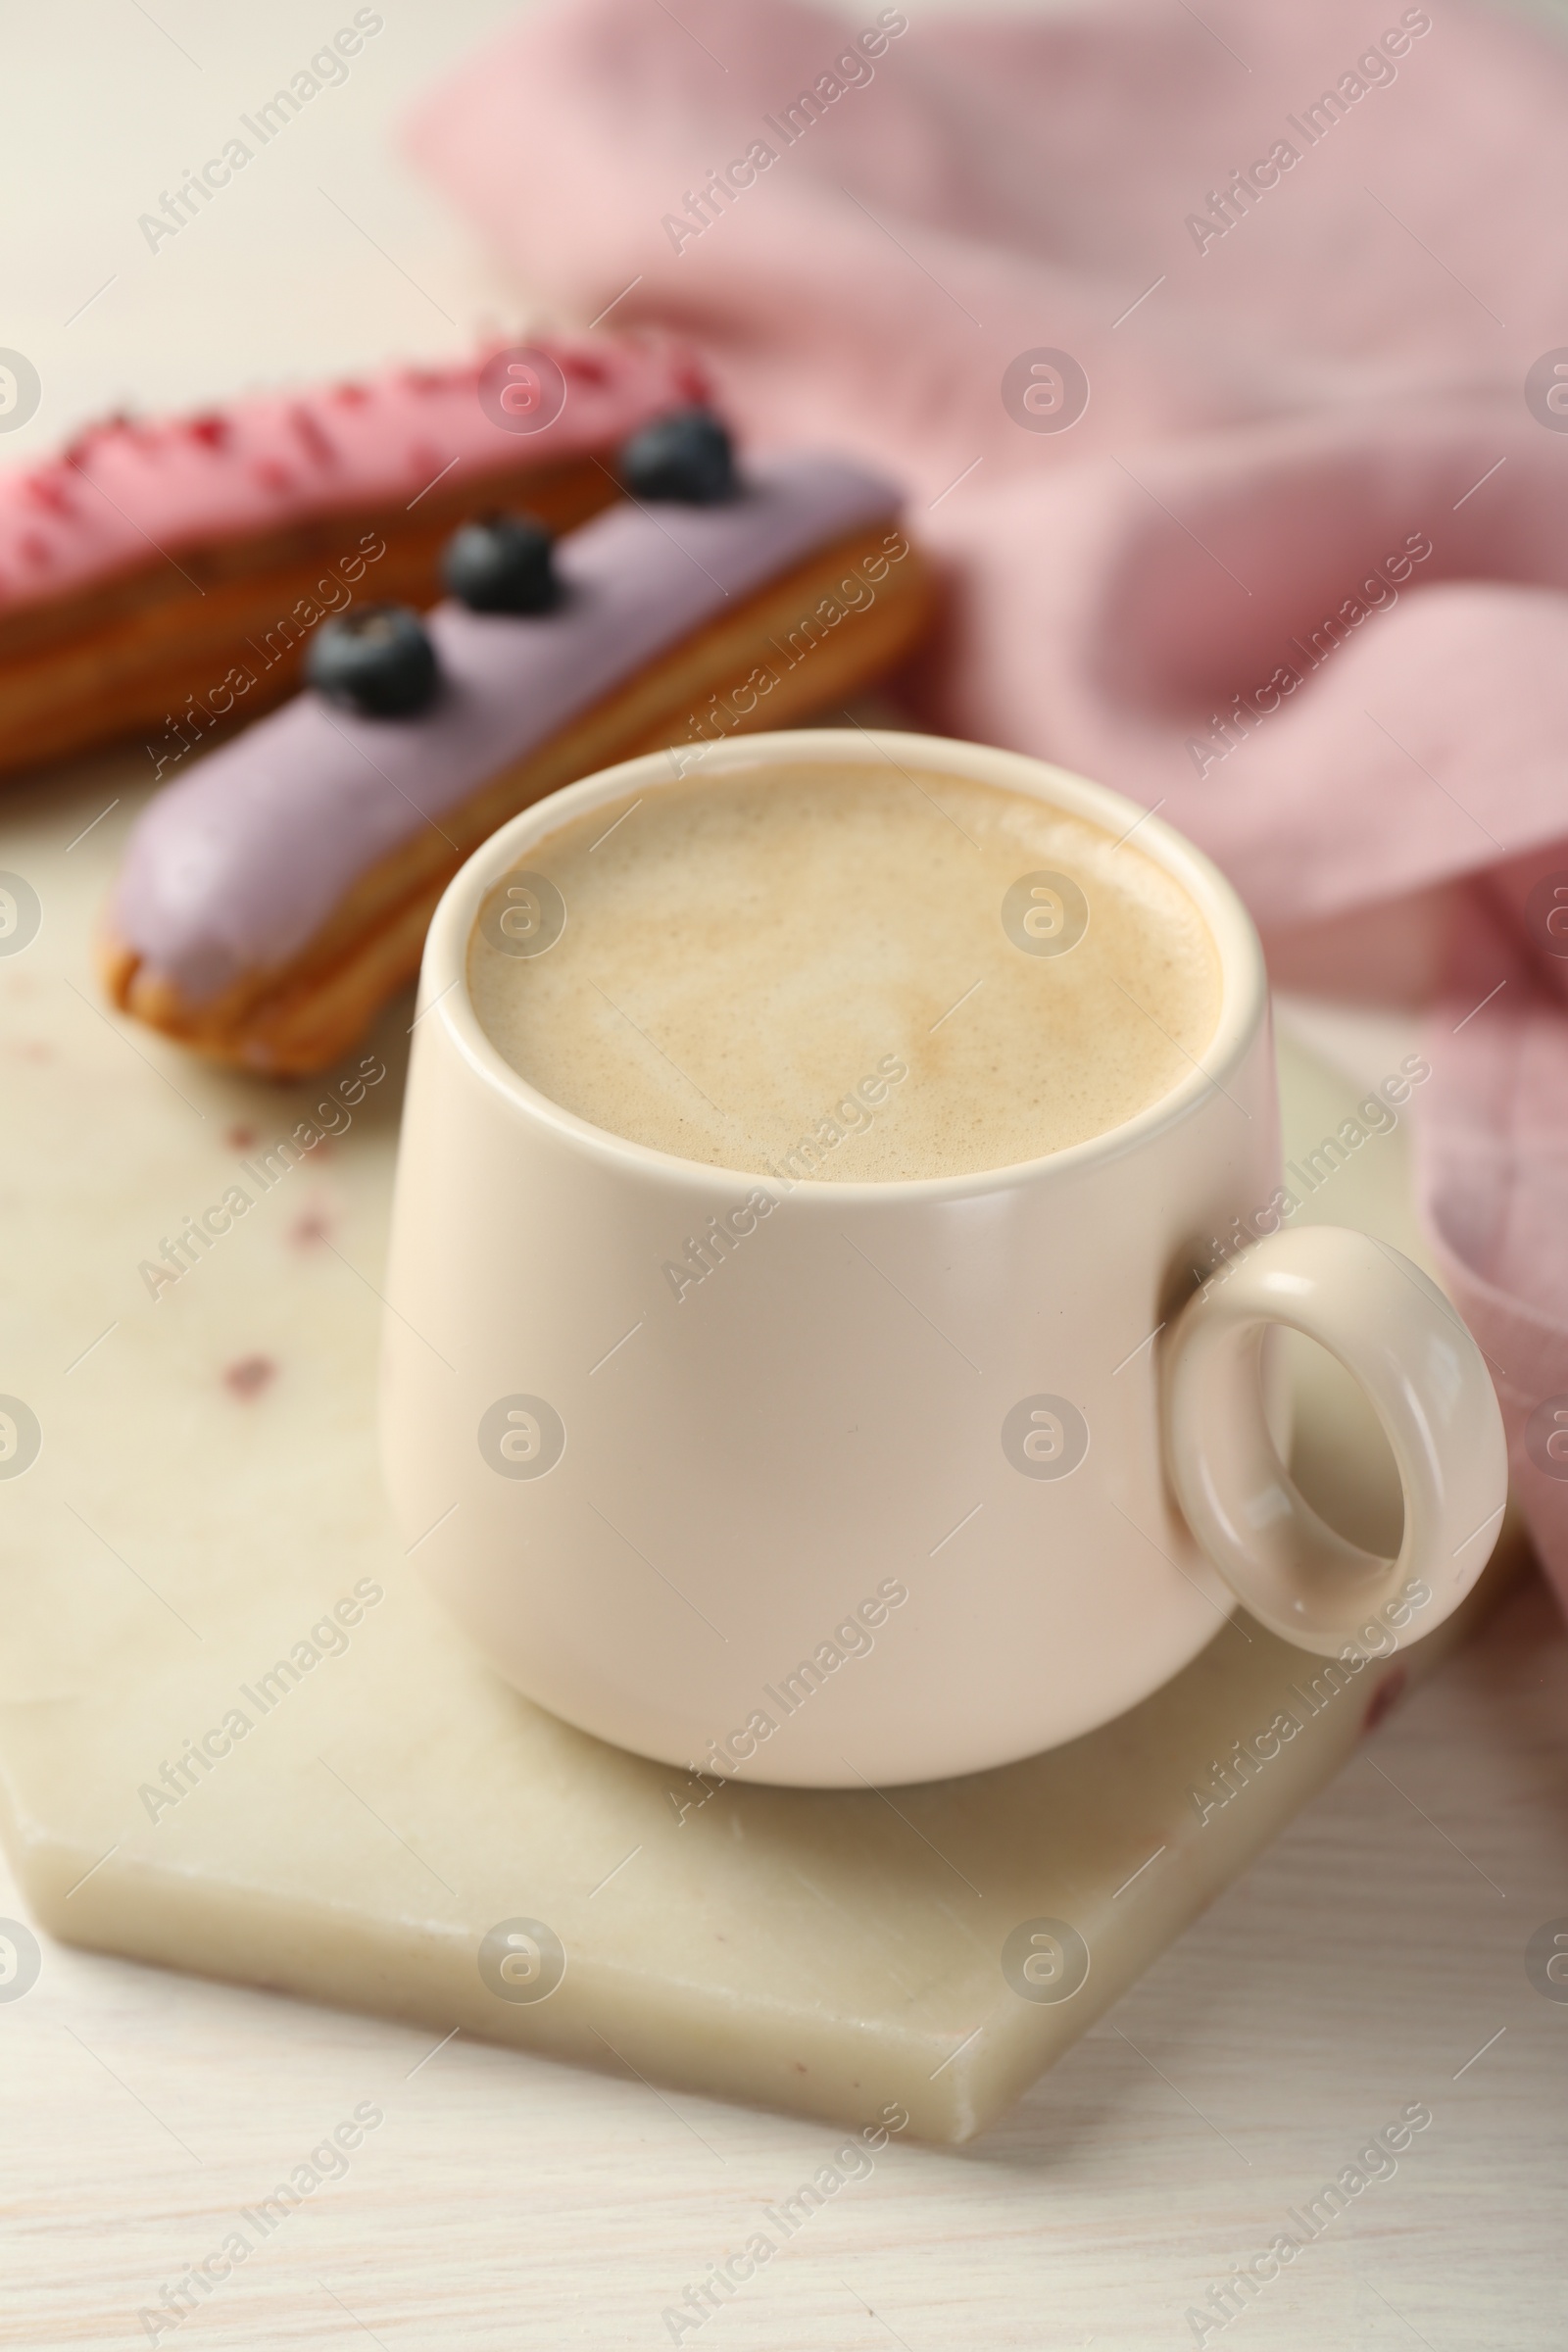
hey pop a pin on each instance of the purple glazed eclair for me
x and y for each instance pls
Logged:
(272, 898)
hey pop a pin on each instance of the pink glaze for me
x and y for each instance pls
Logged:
(237, 866)
(124, 490)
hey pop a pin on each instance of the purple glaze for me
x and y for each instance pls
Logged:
(237, 865)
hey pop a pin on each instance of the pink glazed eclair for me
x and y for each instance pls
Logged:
(274, 898)
(163, 578)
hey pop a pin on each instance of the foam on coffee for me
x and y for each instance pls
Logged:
(849, 973)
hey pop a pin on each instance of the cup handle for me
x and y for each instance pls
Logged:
(1425, 1378)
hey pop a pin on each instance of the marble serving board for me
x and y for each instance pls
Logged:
(237, 1737)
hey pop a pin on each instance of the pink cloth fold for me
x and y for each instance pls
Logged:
(1298, 572)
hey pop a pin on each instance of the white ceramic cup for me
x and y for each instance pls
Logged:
(924, 1475)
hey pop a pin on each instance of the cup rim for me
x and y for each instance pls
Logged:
(444, 998)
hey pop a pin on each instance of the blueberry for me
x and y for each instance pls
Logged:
(685, 456)
(378, 661)
(501, 564)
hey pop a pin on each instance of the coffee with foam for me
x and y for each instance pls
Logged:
(847, 973)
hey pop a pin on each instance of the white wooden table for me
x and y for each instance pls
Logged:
(1375, 1959)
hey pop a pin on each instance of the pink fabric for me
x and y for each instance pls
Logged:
(1275, 411)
